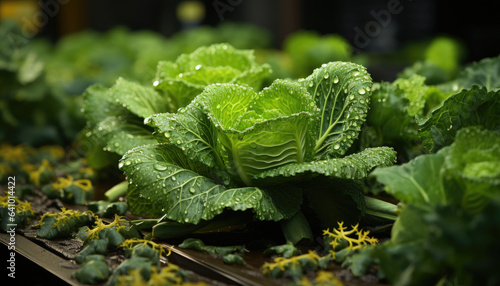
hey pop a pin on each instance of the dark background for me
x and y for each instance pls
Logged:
(476, 23)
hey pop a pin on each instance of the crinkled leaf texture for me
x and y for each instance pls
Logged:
(354, 167)
(189, 130)
(466, 173)
(180, 189)
(472, 107)
(388, 117)
(484, 73)
(474, 161)
(235, 148)
(261, 131)
(342, 93)
(185, 78)
(115, 118)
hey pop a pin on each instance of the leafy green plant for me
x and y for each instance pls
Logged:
(470, 107)
(448, 216)
(103, 237)
(115, 115)
(62, 224)
(185, 78)
(233, 148)
(69, 190)
(395, 112)
(292, 267)
(107, 209)
(14, 212)
(94, 270)
(484, 73)
(197, 244)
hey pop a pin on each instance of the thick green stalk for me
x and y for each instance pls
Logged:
(297, 230)
(380, 209)
(117, 191)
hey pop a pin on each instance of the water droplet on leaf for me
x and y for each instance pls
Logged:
(160, 167)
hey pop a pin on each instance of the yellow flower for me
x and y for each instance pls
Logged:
(21, 206)
(15, 154)
(284, 263)
(359, 241)
(63, 183)
(327, 278)
(100, 225)
(35, 175)
(55, 152)
(129, 243)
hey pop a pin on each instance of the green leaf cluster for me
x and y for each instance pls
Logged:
(233, 148)
(471, 107)
(107, 209)
(115, 115)
(448, 218)
(62, 224)
(94, 270)
(197, 244)
(14, 212)
(104, 237)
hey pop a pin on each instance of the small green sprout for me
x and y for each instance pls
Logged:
(43, 174)
(77, 191)
(133, 242)
(21, 209)
(100, 225)
(294, 266)
(54, 225)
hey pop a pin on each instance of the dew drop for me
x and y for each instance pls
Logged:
(128, 163)
(197, 67)
(156, 83)
(361, 91)
(326, 76)
(160, 167)
(336, 147)
(120, 165)
(167, 134)
(336, 79)
(192, 190)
